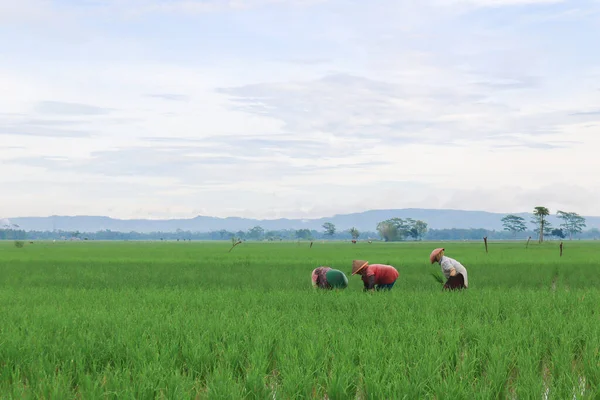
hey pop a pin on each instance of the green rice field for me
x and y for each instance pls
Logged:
(140, 320)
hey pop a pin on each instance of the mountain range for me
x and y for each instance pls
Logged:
(363, 221)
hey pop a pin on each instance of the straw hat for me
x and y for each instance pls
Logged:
(357, 265)
(434, 254)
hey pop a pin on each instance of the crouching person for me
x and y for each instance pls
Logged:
(328, 278)
(375, 276)
(455, 272)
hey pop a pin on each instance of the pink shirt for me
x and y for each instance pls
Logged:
(384, 274)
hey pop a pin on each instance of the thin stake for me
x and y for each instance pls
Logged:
(561, 248)
(528, 242)
(235, 244)
(485, 241)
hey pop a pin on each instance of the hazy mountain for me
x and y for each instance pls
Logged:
(364, 221)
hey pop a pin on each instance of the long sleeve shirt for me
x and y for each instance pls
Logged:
(447, 263)
(383, 275)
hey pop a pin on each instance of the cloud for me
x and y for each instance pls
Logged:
(357, 107)
(338, 104)
(25, 125)
(515, 141)
(222, 160)
(307, 61)
(189, 7)
(530, 145)
(32, 10)
(505, 3)
(210, 5)
(42, 131)
(586, 113)
(507, 84)
(169, 96)
(172, 140)
(511, 198)
(62, 108)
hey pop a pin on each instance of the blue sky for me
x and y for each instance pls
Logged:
(297, 108)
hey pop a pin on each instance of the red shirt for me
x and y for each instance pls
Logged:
(384, 274)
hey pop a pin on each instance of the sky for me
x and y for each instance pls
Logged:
(297, 108)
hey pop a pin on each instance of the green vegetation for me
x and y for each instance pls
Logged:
(354, 233)
(514, 224)
(573, 223)
(193, 320)
(540, 215)
(329, 229)
(397, 229)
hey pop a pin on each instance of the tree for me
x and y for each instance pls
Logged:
(514, 224)
(225, 235)
(557, 233)
(256, 233)
(573, 222)
(418, 229)
(393, 229)
(547, 229)
(304, 234)
(387, 230)
(272, 235)
(329, 228)
(539, 218)
(355, 233)
(241, 235)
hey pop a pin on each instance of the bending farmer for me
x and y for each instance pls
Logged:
(455, 272)
(375, 276)
(328, 278)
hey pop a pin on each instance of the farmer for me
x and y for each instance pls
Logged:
(455, 272)
(328, 278)
(375, 276)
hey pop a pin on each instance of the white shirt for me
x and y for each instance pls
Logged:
(448, 263)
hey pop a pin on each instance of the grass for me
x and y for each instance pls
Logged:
(191, 320)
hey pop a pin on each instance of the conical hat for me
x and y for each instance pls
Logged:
(434, 254)
(357, 265)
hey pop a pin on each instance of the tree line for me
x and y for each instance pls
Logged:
(256, 233)
(390, 230)
(572, 224)
(284, 235)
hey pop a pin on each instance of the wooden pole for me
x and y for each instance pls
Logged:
(485, 242)
(310, 245)
(561, 248)
(528, 242)
(235, 244)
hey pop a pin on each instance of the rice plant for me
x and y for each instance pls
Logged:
(173, 320)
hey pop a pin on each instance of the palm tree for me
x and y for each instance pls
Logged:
(540, 214)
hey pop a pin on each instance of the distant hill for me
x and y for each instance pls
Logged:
(364, 221)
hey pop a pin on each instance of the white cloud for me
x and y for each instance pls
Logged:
(500, 3)
(24, 10)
